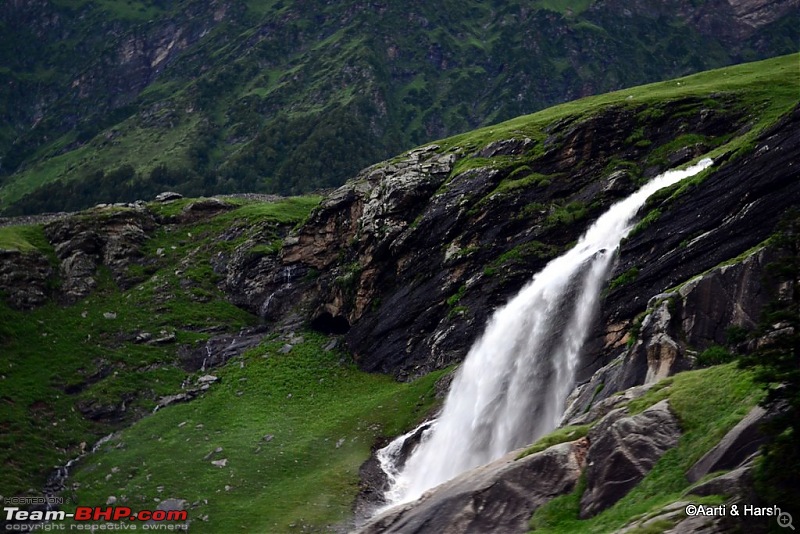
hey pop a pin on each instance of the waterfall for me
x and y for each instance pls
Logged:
(513, 384)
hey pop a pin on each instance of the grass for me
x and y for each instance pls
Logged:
(50, 355)
(708, 403)
(766, 89)
(561, 435)
(24, 239)
(624, 279)
(324, 416)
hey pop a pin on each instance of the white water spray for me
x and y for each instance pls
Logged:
(513, 384)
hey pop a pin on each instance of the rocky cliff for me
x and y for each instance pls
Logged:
(416, 253)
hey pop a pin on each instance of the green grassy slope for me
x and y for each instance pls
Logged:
(764, 90)
(57, 358)
(323, 414)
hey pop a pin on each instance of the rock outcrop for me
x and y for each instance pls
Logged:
(678, 324)
(733, 450)
(732, 211)
(108, 236)
(25, 278)
(623, 450)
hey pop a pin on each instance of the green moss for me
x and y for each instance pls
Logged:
(453, 299)
(651, 217)
(532, 250)
(624, 279)
(561, 435)
(568, 214)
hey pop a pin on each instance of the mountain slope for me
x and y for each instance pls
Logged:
(292, 96)
(113, 312)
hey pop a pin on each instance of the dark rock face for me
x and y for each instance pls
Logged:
(219, 349)
(735, 209)
(499, 497)
(733, 295)
(82, 243)
(24, 278)
(622, 451)
(260, 283)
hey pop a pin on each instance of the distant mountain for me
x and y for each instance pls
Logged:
(114, 100)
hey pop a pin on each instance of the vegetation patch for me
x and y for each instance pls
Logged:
(714, 355)
(453, 299)
(708, 403)
(624, 279)
(25, 239)
(522, 253)
(60, 363)
(651, 217)
(568, 214)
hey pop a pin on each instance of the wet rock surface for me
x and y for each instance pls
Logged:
(733, 210)
(220, 348)
(499, 497)
(679, 324)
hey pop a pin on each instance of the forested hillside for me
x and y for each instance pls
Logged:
(113, 100)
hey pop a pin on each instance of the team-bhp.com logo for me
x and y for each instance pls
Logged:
(94, 513)
(97, 513)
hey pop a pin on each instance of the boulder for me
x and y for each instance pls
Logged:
(741, 442)
(737, 483)
(674, 514)
(167, 196)
(623, 450)
(499, 497)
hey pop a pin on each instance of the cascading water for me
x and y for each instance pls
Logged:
(513, 384)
